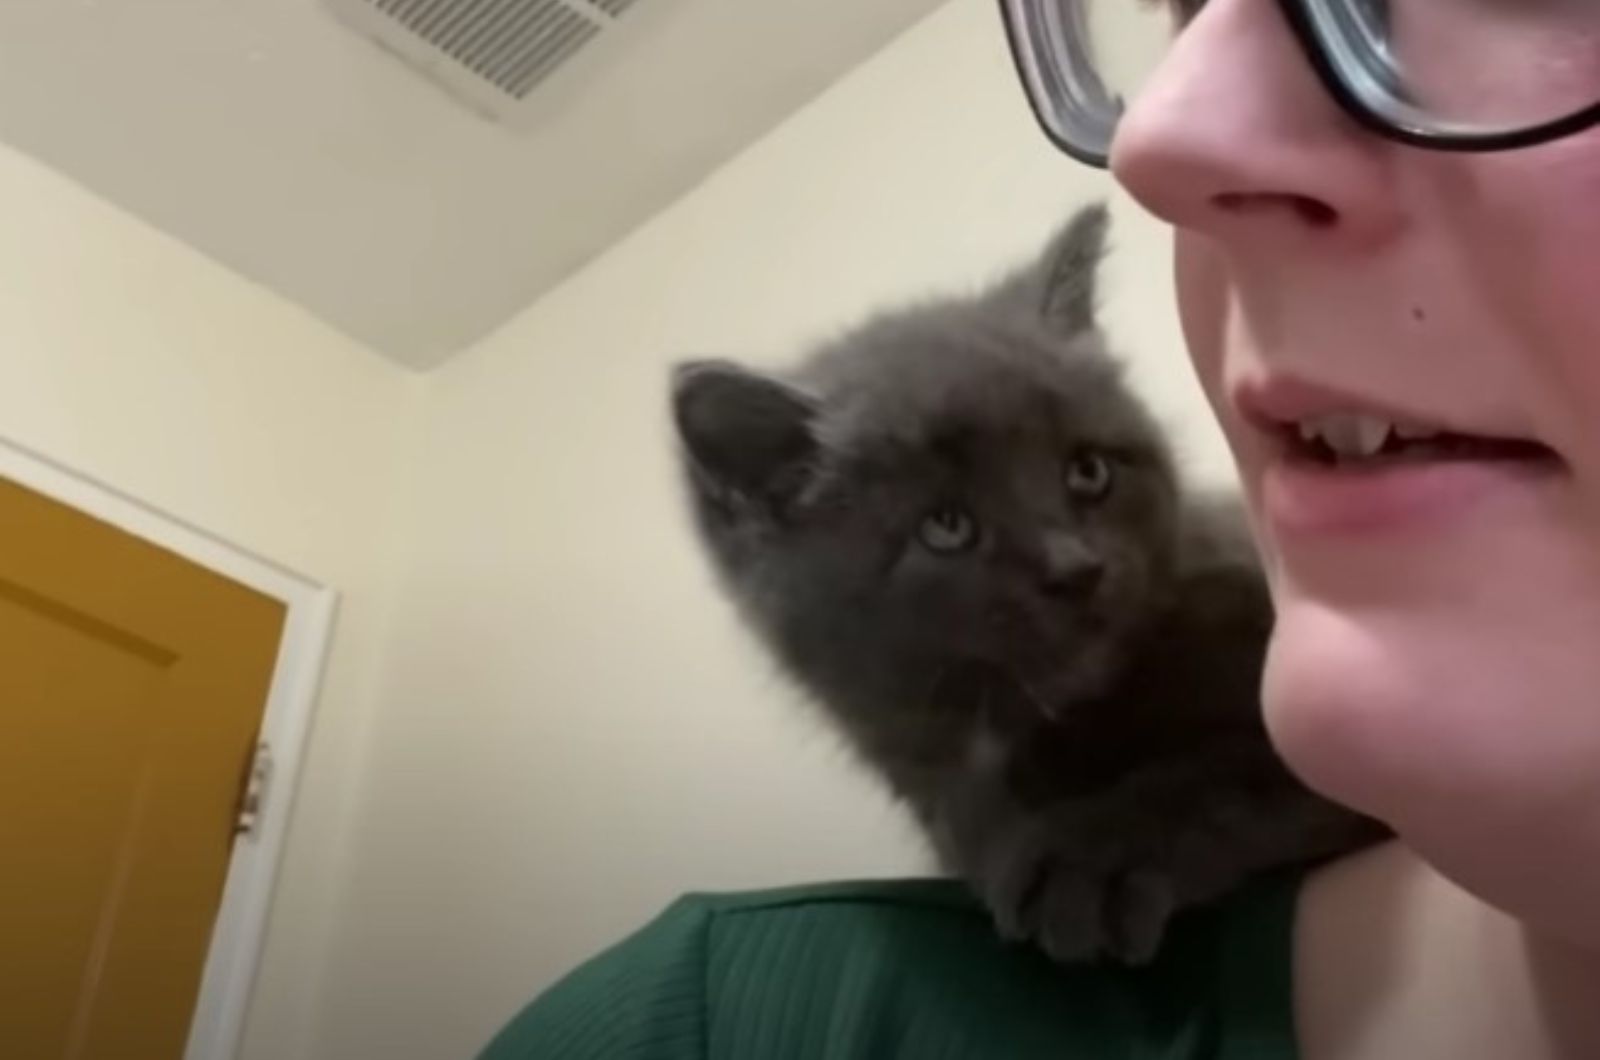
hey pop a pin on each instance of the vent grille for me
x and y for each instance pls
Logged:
(512, 45)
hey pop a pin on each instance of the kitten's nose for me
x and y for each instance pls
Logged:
(1071, 568)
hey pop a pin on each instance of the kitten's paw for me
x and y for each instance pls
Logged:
(1117, 915)
(1033, 886)
(1077, 909)
(1068, 924)
(1138, 905)
(1053, 898)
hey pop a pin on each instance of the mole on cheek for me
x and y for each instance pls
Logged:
(1418, 314)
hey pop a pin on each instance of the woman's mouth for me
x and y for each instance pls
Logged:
(1352, 440)
(1337, 465)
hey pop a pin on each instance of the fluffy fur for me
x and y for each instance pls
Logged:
(963, 535)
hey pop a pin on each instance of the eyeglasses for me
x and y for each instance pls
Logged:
(1453, 75)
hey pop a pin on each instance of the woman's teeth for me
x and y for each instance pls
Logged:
(1357, 436)
(1347, 438)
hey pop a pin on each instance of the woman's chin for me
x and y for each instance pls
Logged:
(1333, 707)
(1476, 741)
(1433, 718)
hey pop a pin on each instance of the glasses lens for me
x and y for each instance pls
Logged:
(1084, 60)
(1464, 67)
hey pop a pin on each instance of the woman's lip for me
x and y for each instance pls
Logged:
(1303, 497)
(1273, 403)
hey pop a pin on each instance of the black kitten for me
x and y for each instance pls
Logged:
(963, 535)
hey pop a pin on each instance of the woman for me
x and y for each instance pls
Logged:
(1387, 220)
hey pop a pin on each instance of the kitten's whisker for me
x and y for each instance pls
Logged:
(1039, 702)
(930, 699)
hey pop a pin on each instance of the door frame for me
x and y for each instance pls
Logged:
(240, 927)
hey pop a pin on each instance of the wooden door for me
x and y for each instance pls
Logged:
(132, 684)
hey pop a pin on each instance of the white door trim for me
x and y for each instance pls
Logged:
(241, 921)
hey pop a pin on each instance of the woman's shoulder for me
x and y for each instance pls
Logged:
(910, 968)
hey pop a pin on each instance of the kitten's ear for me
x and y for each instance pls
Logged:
(1070, 267)
(1060, 285)
(744, 432)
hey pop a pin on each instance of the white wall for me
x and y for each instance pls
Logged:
(132, 359)
(554, 723)
(573, 730)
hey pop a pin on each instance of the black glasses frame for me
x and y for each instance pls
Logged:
(1298, 14)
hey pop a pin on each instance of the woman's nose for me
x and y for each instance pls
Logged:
(1236, 137)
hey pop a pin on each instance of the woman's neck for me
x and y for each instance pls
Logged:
(1393, 960)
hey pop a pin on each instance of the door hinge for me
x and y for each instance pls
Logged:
(253, 796)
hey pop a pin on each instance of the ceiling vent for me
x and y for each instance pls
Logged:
(490, 54)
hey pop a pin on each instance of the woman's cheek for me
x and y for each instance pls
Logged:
(1200, 274)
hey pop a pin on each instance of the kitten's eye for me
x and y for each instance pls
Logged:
(948, 530)
(1089, 476)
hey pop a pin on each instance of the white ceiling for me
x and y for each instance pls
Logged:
(291, 149)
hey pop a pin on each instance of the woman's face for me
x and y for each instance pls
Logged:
(1437, 656)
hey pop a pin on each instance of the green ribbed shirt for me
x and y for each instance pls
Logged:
(912, 970)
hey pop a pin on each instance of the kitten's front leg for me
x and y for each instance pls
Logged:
(1103, 874)
(1179, 833)
(1245, 813)
(1059, 876)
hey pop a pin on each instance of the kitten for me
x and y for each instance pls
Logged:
(961, 533)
